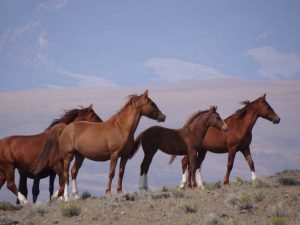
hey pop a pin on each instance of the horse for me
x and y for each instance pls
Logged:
(68, 117)
(20, 151)
(104, 141)
(238, 138)
(185, 140)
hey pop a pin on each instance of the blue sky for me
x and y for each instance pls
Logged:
(63, 43)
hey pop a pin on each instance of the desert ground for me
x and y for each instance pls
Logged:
(269, 200)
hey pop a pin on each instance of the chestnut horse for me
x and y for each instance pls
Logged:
(185, 140)
(20, 151)
(68, 117)
(238, 138)
(104, 141)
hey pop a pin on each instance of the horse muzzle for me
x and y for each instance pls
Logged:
(161, 117)
(276, 121)
(224, 127)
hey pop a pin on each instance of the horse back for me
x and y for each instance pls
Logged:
(22, 150)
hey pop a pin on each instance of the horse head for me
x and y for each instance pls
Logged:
(149, 108)
(215, 119)
(266, 111)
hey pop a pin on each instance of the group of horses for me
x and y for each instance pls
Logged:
(81, 133)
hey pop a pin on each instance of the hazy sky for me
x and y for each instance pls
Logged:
(63, 43)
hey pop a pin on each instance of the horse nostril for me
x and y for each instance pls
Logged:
(224, 128)
(161, 117)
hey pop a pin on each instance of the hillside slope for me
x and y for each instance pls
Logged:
(270, 200)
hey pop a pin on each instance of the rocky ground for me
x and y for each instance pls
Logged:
(269, 200)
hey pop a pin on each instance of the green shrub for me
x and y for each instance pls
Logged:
(7, 220)
(244, 202)
(239, 181)
(258, 195)
(157, 194)
(176, 192)
(6, 206)
(212, 219)
(85, 195)
(258, 183)
(39, 208)
(130, 196)
(214, 186)
(231, 199)
(70, 209)
(285, 181)
(278, 210)
(188, 206)
(278, 220)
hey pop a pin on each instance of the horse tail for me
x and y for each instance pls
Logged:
(136, 145)
(172, 159)
(51, 145)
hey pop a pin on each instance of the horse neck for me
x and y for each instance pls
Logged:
(128, 118)
(200, 127)
(247, 122)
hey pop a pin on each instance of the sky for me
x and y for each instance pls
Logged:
(62, 43)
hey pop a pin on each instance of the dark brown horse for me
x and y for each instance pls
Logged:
(238, 138)
(20, 151)
(185, 140)
(104, 141)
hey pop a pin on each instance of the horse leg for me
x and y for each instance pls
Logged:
(11, 185)
(184, 165)
(199, 160)
(149, 152)
(230, 161)
(35, 188)
(121, 174)
(247, 154)
(22, 186)
(51, 183)
(192, 157)
(2, 179)
(74, 171)
(58, 169)
(112, 168)
(66, 166)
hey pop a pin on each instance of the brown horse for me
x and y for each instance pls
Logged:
(20, 151)
(238, 138)
(104, 141)
(68, 117)
(185, 140)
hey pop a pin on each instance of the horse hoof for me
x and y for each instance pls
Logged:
(24, 202)
(76, 196)
(182, 185)
(53, 198)
(200, 187)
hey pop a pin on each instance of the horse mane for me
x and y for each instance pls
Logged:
(241, 112)
(67, 118)
(131, 99)
(195, 115)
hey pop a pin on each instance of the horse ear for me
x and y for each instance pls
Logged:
(264, 96)
(145, 95)
(213, 108)
(90, 106)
